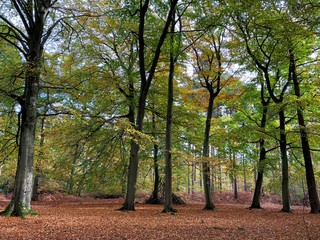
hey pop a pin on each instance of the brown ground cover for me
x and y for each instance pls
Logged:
(69, 217)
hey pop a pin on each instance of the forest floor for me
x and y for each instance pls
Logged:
(69, 217)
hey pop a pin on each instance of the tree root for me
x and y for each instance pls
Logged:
(209, 207)
(255, 207)
(125, 207)
(171, 210)
(19, 210)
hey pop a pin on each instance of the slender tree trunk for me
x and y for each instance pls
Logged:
(220, 178)
(131, 118)
(205, 166)
(200, 177)
(168, 170)
(213, 175)
(235, 188)
(154, 198)
(311, 183)
(286, 207)
(235, 181)
(193, 176)
(189, 180)
(155, 192)
(156, 172)
(257, 191)
(145, 86)
(244, 175)
(213, 189)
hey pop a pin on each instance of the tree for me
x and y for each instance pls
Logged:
(262, 150)
(145, 82)
(168, 170)
(154, 198)
(303, 28)
(311, 183)
(29, 39)
(264, 49)
(209, 68)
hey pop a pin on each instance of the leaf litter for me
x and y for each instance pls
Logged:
(70, 217)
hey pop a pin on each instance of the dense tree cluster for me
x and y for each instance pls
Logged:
(159, 96)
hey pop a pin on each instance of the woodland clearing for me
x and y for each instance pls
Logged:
(69, 217)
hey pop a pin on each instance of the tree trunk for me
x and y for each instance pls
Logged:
(132, 177)
(168, 170)
(156, 173)
(235, 188)
(193, 176)
(235, 183)
(189, 180)
(244, 174)
(257, 191)
(33, 15)
(154, 198)
(311, 183)
(145, 83)
(20, 203)
(200, 177)
(285, 166)
(213, 175)
(220, 178)
(205, 166)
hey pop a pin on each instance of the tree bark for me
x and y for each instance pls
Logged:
(220, 178)
(235, 188)
(193, 175)
(283, 142)
(205, 166)
(145, 83)
(168, 170)
(286, 207)
(234, 178)
(156, 172)
(154, 198)
(189, 180)
(205, 153)
(33, 15)
(213, 63)
(20, 204)
(257, 191)
(311, 183)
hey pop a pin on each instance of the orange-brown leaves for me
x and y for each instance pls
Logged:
(71, 218)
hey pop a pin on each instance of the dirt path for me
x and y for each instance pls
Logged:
(97, 219)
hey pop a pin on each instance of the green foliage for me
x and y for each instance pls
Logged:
(90, 86)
